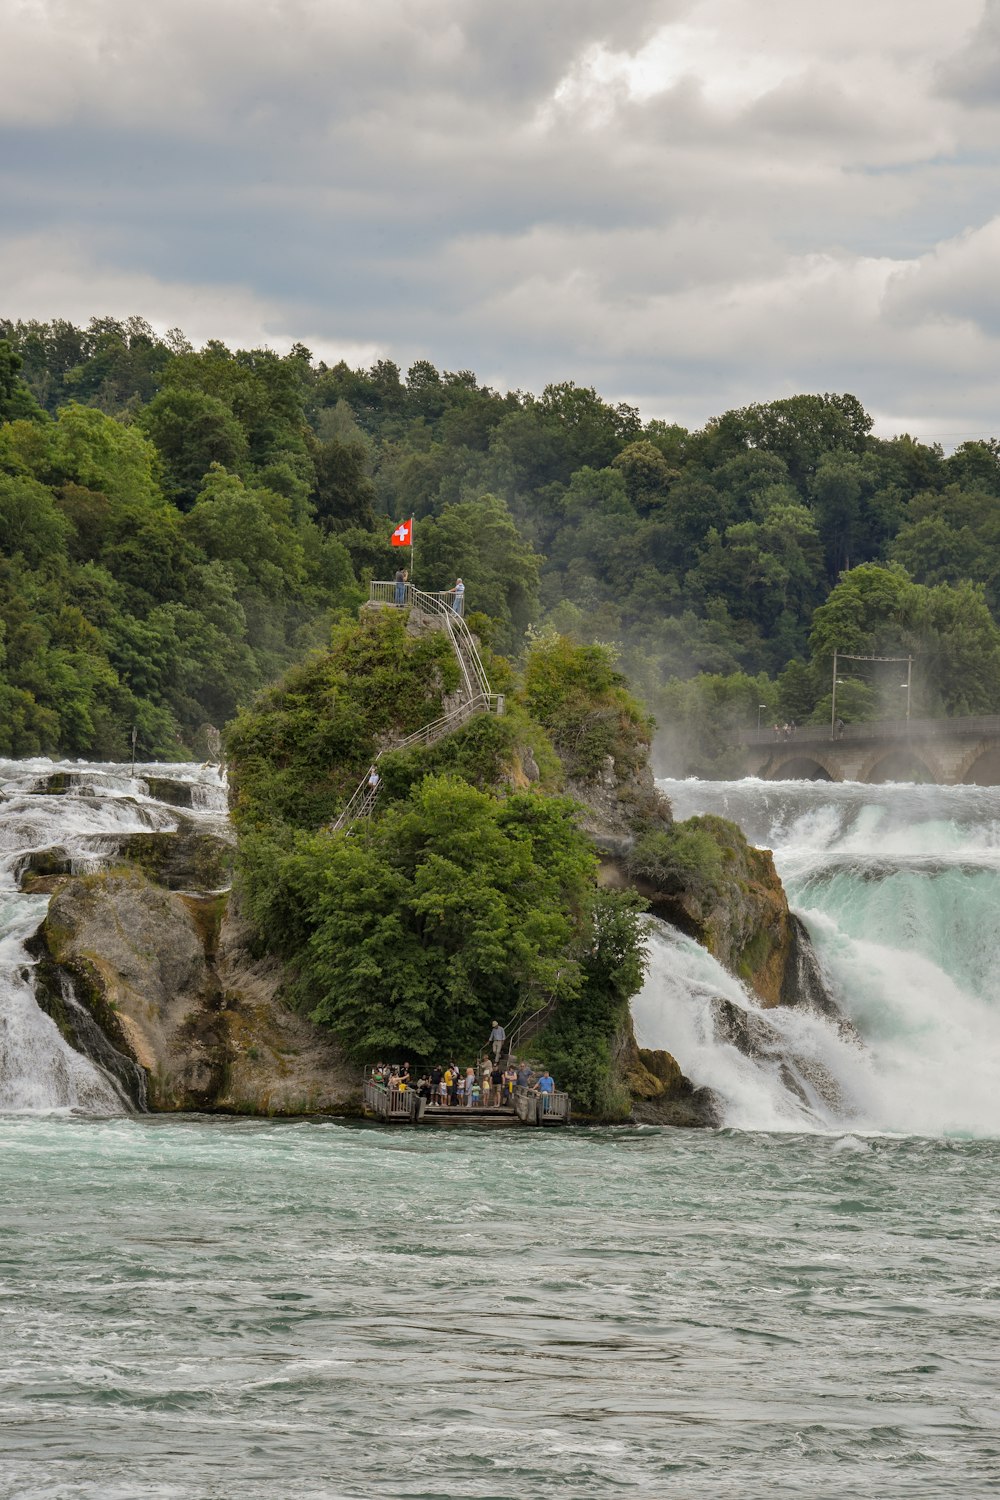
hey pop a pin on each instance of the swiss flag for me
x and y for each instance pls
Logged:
(403, 534)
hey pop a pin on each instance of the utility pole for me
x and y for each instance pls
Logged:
(760, 709)
(909, 684)
(833, 699)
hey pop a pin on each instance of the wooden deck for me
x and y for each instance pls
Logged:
(395, 1107)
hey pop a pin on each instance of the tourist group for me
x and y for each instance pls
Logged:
(485, 1086)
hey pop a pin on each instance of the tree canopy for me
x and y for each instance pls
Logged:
(132, 463)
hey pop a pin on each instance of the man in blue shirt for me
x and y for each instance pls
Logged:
(546, 1085)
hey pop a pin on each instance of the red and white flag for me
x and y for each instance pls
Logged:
(403, 534)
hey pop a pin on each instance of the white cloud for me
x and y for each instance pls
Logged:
(72, 280)
(704, 202)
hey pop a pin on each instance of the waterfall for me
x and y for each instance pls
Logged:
(898, 887)
(73, 813)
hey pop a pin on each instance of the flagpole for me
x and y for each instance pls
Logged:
(412, 549)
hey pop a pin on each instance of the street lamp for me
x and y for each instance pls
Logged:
(760, 709)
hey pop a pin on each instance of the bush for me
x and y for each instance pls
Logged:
(683, 857)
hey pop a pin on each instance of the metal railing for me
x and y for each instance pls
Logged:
(533, 1108)
(442, 605)
(529, 1026)
(389, 1104)
(479, 698)
(361, 803)
(876, 730)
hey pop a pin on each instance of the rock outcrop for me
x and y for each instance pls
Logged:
(742, 919)
(662, 1094)
(169, 980)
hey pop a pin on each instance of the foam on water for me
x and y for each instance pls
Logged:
(39, 1071)
(899, 887)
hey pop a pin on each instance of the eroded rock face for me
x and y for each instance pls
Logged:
(615, 805)
(663, 1095)
(745, 922)
(170, 976)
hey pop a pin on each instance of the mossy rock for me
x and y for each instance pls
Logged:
(166, 789)
(47, 862)
(56, 785)
(187, 860)
(663, 1066)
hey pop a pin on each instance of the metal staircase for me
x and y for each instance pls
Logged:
(478, 697)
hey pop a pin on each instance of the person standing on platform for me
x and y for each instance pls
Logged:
(458, 597)
(497, 1038)
(401, 576)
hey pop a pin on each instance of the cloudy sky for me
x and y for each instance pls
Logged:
(688, 205)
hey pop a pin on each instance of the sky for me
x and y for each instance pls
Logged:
(687, 205)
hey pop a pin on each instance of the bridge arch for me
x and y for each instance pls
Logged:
(803, 767)
(980, 766)
(899, 763)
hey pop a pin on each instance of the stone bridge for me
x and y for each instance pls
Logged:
(949, 752)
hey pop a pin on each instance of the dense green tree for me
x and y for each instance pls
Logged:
(693, 552)
(478, 541)
(16, 400)
(456, 908)
(343, 495)
(192, 431)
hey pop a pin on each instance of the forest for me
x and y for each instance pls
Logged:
(179, 526)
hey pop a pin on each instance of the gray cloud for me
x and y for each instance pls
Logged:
(972, 74)
(692, 203)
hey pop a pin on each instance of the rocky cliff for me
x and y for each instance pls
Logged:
(171, 981)
(703, 877)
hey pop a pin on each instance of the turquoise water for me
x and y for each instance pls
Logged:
(207, 1309)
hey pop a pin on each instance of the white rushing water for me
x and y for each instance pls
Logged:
(38, 1069)
(899, 888)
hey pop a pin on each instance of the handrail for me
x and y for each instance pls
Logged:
(520, 1031)
(389, 1103)
(361, 803)
(876, 729)
(531, 1107)
(479, 696)
(437, 604)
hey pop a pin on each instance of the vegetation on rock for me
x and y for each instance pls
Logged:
(471, 895)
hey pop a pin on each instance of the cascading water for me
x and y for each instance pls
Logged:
(81, 811)
(899, 889)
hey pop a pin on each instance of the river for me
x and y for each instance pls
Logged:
(803, 1303)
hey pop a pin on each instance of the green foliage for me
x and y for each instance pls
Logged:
(193, 430)
(579, 1044)
(697, 554)
(478, 541)
(16, 401)
(585, 706)
(463, 898)
(454, 908)
(949, 630)
(300, 751)
(681, 857)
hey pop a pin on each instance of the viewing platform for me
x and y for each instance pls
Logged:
(406, 1107)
